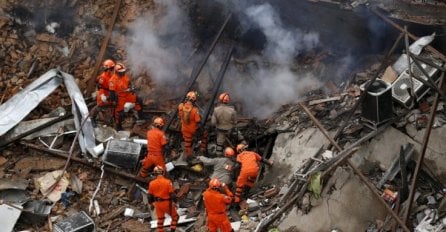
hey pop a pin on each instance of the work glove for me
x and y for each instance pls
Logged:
(103, 98)
(128, 106)
(150, 198)
(113, 96)
(173, 197)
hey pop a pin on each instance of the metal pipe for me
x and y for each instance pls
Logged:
(406, 43)
(194, 75)
(423, 151)
(355, 169)
(367, 86)
(221, 75)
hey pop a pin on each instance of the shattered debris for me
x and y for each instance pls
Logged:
(309, 188)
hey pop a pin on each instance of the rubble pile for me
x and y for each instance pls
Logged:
(343, 157)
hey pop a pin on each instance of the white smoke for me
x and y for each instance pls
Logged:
(159, 42)
(272, 86)
(283, 44)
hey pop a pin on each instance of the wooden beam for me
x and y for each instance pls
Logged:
(92, 80)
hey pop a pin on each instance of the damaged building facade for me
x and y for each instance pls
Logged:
(344, 99)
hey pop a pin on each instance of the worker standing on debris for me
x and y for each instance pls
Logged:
(190, 119)
(162, 196)
(103, 83)
(224, 119)
(223, 166)
(215, 203)
(122, 95)
(248, 171)
(156, 146)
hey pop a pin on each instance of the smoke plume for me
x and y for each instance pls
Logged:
(271, 86)
(159, 42)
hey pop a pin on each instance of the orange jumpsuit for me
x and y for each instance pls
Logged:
(156, 140)
(189, 124)
(161, 188)
(103, 86)
(121, 84)
(215, 203)
(248, 172)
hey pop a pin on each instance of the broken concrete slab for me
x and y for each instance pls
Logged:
(290, 152)
(384, 148)
(350, 201)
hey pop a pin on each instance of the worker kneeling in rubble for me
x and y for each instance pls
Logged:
(224, 119)
(223, 167)
(215, 203)
(190, 119)
(162, 196)
(122, 95)
(248, 171)
(156, 147)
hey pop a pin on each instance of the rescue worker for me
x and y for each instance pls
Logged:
(224, 119)
(190, 119)
(103, 83)
(121, 95)
(248, 171)
(215, 203)
(156, 146)
(162, 196)
(223, 166)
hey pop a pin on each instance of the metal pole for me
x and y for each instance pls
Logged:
(194, 75)
(406, 43)
(221, 75)
(423, 151)
(355, 169)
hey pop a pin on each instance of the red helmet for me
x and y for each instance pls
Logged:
(158, 122)
(158, 170)
(224, 98)
(214, 183)
(241, 147)
(229, 152)
(108, 64)
(191, 96)
(120, 68)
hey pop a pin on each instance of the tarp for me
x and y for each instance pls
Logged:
(21, 104)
